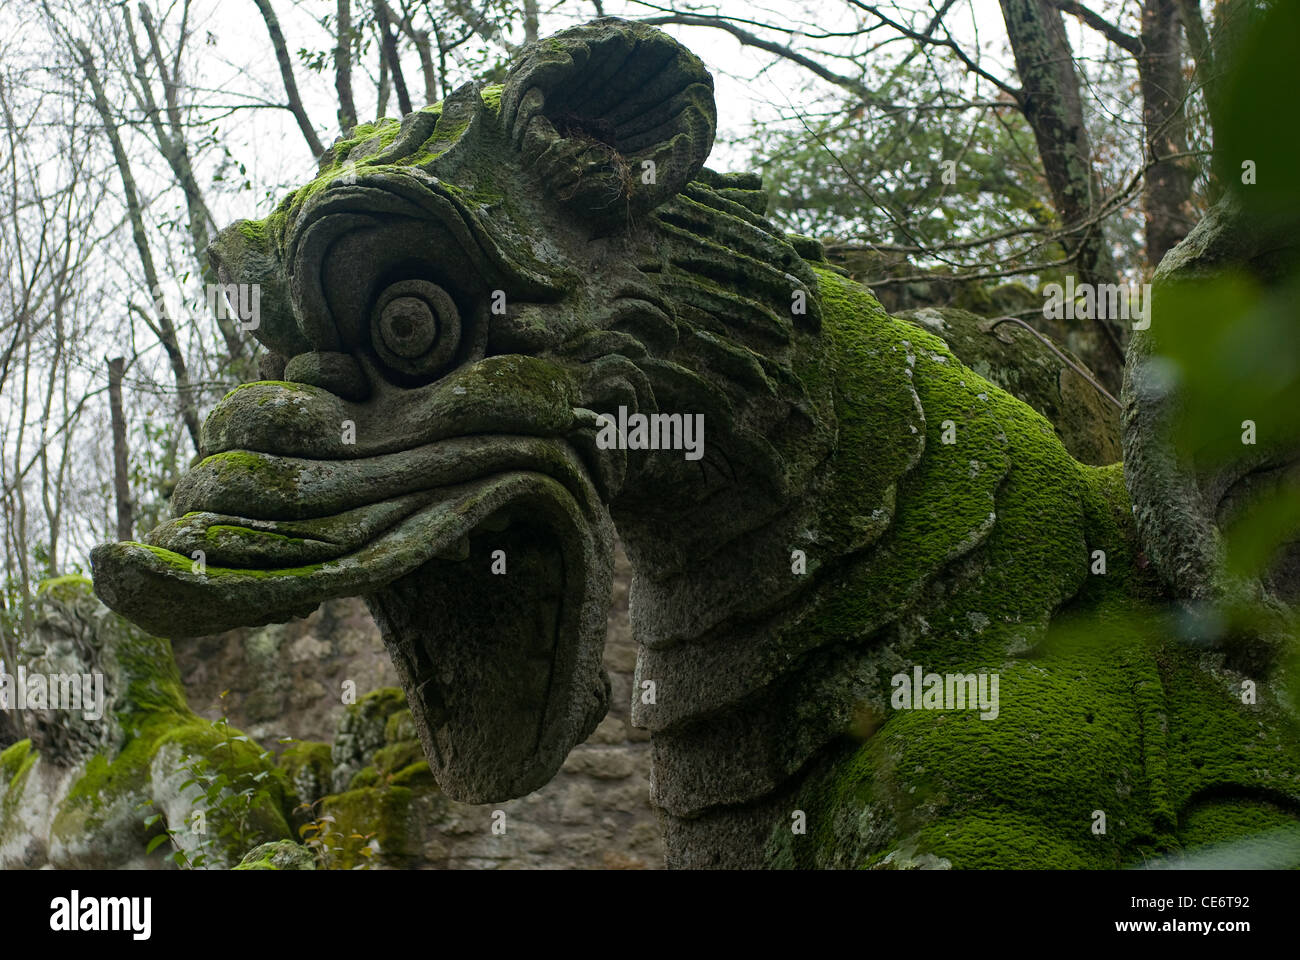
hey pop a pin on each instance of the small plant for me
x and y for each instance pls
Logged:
(227, 798)
(329, 844)
(177, 856)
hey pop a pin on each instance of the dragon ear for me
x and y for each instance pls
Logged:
(616, 117)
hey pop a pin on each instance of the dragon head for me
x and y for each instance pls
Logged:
(460, 310)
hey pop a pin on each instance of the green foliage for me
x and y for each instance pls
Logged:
(1233, 352)
(334, 848)
(1257, 122)
(225, 811)
(881, 178)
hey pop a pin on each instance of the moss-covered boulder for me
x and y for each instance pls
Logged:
(1006, 354)
(94, 788)
(278, 855)
(382, 812)
(361, 731)
(309, 768)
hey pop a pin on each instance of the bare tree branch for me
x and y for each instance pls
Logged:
(928, 39)
(286, 74)
(1103, 26)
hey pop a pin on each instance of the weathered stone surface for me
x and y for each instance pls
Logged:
(864, 505)
(594, 814)
(287, 680)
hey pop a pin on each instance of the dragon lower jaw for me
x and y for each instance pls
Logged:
(499, 649)
(491, 595)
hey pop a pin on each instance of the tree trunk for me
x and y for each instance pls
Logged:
(1202, 51)
(390, 54)
(530, 20)
(1054, 110)
(343, 68)
(1167, 188)
(121, 481)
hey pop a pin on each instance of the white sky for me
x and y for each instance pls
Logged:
(750, 84)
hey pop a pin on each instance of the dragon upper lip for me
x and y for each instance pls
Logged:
(361, 535)
(269, 487)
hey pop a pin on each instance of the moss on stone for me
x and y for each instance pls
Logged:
(15, 762)
(365, 777)
(254, 231)
(383, 700)
(491, 96)
(186, 565)
(399, 727)
(397, 756)
(313, 756)
(262, 384)
(272, 473)
(1101, 710)
(378, 813)
(415, 774)
(278, 855)
(152, 713)
(66, 588)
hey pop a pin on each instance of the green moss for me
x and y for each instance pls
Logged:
(105, 784)
(383, 700)
(154, 693)
(365, 777)
(258, 384)
(248, 536)
(254, 231)
(874, 407)
(271, 473)
(153, 713)
(399, 727)
(987, 567)
(15, 761)
(397, 756)
(491, 96)
(154, 704)
(278, 855)
(186, 565)
(237, 758)
(307, 754)
(66, 588)
(1247, 822)
(380, 813)
(416, 774)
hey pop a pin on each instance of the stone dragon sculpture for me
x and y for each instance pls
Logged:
(448, 308)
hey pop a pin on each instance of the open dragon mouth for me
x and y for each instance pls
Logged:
(486, 560)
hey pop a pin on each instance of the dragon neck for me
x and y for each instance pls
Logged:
(946, 527)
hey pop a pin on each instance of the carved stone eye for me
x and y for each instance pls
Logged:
(415, 327)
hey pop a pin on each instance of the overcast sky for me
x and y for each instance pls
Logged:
(750, 84)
